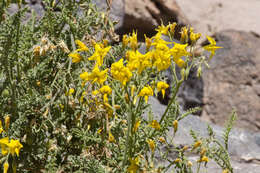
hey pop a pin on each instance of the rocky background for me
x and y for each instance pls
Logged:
(233, 81)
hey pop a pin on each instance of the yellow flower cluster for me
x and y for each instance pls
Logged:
(105, 90)
(120, 72)
(162, 86)
(75, 56)
(134, 165)
(138, 61)
(12, 146)
(95, 76)
(159, 56)
(146, 92)
(100, 52)
(1, 127)
(154, 124)
(211, 47)
(133, 69)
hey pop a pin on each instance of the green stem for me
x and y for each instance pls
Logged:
(127, 139)
(198, 168)
(171, 101)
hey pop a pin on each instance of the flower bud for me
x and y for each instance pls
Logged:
(111, 138)
(162, 140)
(202, 151)
(7, 122)
(175, 125)
(6, 166)
(178, 160)
(225, 171)
(185, 148)
(189, 164)
(125, 41)
(197, 144)
(172, 27)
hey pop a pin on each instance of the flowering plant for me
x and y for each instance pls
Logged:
(81, 104)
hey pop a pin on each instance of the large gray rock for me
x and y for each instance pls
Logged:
(244, 146)
(145, 15)
(116, 12)
(233, 81)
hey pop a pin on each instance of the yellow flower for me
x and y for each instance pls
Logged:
(137, 124)
(178, 51)
(36, 51)
(134, 165)
(1, 127)
(6, 166)
(203, 159)
(81, 45)
(184, 35)
(125, 40)
(163, 29)
(154, 124)
(7, 122)
(105, 42)
(148, 42)
(100, 130)
(95, 76)
(180, 63)
(175, 125)
(197, 144)
(194, 36)
(3, 144)
(162, 140)
(162, 86)
(146, 92)
(100, 53)
(139, 61)
(161, 59)
(159, 43)
(225, 171)
(189, 164)
(132, 90)
(151, 144)
(111, 138)
(178, 160)
(105, 90)
(76, 57)
(14, 146)
(203, 151)
(186, 147)
(120, 72)
(172, 27)
(70, 92)
(133, 41)
(211, 47)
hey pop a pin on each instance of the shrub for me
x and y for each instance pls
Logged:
(73, 99)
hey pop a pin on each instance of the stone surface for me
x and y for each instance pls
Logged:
(146, 15)
(233, 81)
(244, 146)
(117, 10)
(210, 16)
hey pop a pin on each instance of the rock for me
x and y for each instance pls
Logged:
(233, 81)
(191, 92)
(33, 5)
(146, 15)
(213, 16)
(117, 10)
(244, 146)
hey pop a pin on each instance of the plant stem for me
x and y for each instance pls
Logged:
(171, 101)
